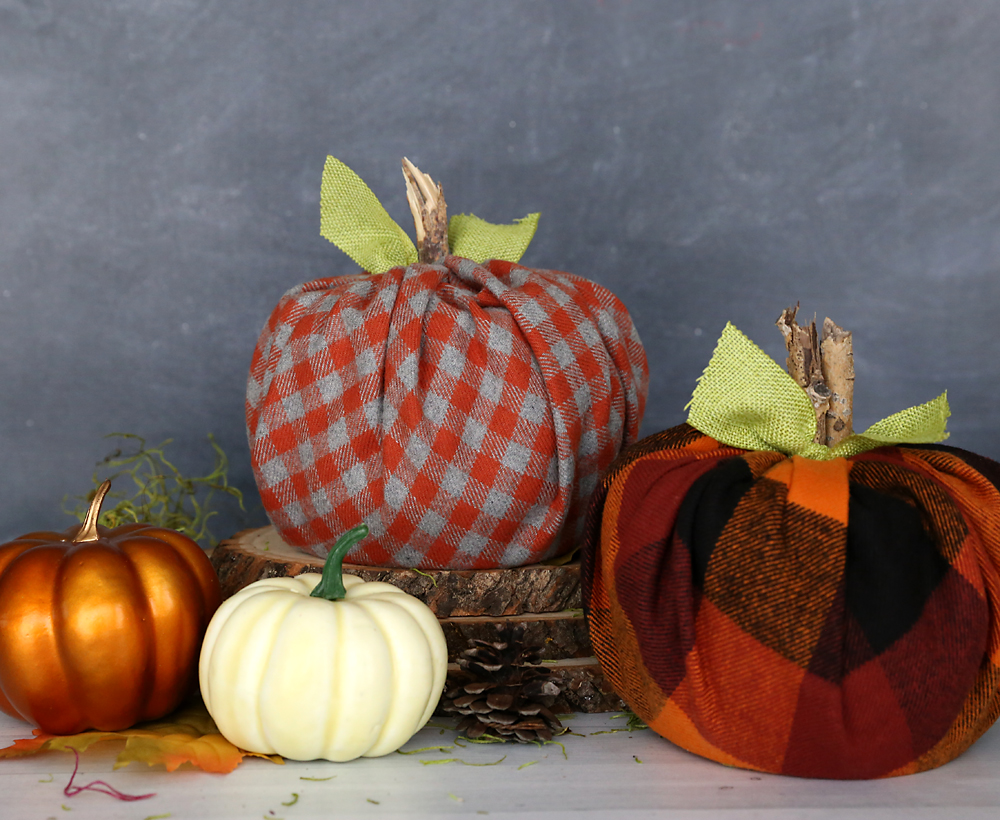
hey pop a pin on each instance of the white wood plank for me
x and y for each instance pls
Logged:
(600, 777)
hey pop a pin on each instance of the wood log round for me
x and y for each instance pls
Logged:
(261, 553)
(468, 603)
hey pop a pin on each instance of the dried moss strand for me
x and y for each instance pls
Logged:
(164, 497)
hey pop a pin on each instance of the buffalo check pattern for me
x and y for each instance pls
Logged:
(465, 412)
(833, 619)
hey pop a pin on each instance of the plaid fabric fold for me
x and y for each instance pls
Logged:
(465, 412)
(823, 619)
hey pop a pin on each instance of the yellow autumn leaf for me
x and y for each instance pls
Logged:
(189, 735)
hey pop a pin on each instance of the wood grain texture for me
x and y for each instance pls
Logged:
(469, 605)
(261, 553)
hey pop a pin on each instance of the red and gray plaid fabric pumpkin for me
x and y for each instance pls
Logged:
(835, 619)
(463, 411)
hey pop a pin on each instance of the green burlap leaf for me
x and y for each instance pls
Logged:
(744, 399)
(479, 240)
(353, 219)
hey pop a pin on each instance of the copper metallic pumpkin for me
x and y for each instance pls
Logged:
(101, 628)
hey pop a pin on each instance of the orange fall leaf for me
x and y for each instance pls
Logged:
(189, 735)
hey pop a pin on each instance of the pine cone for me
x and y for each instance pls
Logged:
(505, 694)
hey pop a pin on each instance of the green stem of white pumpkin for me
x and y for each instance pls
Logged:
(331, 585)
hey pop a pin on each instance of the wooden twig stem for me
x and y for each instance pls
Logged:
(805, 365)
(838, 370)
(824, 368)
(430, 213)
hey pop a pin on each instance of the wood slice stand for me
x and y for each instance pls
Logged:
(468, 604)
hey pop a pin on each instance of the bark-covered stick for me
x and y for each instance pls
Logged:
(430, 213)
(805, 365)
(838, 371)
(797, 351)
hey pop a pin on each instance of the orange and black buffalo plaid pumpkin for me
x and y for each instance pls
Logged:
(823, 618)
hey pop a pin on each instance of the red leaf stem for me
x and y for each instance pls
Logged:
(99, 786)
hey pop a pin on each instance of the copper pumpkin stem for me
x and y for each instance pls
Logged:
(430, 214)
(88, 529)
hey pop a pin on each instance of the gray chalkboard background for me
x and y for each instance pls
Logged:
(708, 160)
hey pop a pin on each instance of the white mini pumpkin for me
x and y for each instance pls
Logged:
(322, 666)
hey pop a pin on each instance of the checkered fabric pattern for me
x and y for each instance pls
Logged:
(465, 412)
(831, 619)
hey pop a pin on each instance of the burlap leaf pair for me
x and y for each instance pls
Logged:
(744, 399)
(353, 219)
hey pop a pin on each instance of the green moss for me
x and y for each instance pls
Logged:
(160, 494)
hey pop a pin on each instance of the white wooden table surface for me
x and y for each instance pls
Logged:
(601, 776)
